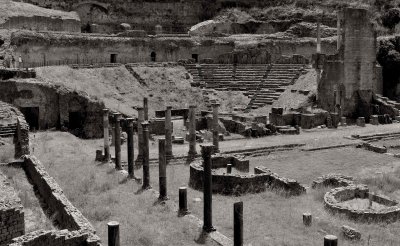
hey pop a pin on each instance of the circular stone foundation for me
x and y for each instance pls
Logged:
(351, 201)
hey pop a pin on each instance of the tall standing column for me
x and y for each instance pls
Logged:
(162, 170)
(146, 108)
(117, 143)
(238, 224)
(113, 233)
(131, 148)
(215, 127)
(206, 152)
(106, 135)
(192, 132)
(168, 133)
(319, 37)
(139, 158)
(146, 164)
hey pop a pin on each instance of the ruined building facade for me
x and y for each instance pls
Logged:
(350, 79)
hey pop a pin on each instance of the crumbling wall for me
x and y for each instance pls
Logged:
(39, 48)
(42, 23)
(76, 229)
(11, 213)
(54, 105)
(21, 138)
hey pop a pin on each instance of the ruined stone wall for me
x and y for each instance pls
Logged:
(11, 213)
(42, 23)
(173, 15)
(75, 228)
(55, 105)
(54, 48)
(21, 138)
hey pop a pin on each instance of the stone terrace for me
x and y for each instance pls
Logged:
(263, 83)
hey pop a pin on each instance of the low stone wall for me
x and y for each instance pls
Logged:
(6, 74)
(157, 126)
(11, 213)
(238, 162)
(332, 180)
(306, 121)
(237, 184)
(374, 148)
(77, 230)
(333, 198)
(290, 186)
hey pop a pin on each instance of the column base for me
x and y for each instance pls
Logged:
(182, 213)
(163, 198)
(209, 229)
(147, 187)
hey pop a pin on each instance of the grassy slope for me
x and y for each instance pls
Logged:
(10, 8)
(121, 91)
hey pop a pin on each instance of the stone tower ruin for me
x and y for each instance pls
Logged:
(350, 78)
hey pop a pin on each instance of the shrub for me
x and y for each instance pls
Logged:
(391, 18)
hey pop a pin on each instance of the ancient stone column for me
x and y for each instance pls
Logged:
(131, 148)
(192, 132)
(330, 240)
(117, 141)
(215, 127)
(168, 133)
(139, 158)
(183, 209)
(307, 219)
(319, 37)
(162, 170)
(146, 156)
(106, 135)
(206, 152)
(338, 31)
(146, 108)
(238, 224)
(113, 233)
(112, 132)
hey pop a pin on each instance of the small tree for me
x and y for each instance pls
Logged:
(391, 18)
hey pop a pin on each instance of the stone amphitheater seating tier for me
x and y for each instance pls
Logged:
(263, 83)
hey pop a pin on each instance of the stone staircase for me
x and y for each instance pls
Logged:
(7, 131)
(263, 83)
(279, 76)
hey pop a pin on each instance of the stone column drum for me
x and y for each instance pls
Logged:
(117, 141)
(215, 127)
(192, 132)
(106, 135)
(139, 158)
(168, 133)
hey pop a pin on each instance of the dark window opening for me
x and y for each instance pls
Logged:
(87, 28)
(113, 58)
(153, 56)
(195, 57)
(31, 116)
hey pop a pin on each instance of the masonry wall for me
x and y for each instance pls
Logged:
(12, 222)
(42, 23)
(75, 229)
(55, 104)
(53, 48)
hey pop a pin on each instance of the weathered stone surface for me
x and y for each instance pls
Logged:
(332, 180)
(351, 233)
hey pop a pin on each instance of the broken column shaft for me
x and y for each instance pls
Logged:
(117, 141)
(113, 233)
(168, 133)
(206, 152)
(106, 135)
(162, 169)
(131, 150)
(139, 158)
(215, 126)
(192, 132)
(146, 156)
(238, 224)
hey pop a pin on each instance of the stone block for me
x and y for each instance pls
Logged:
(361, 121)
(374, 120)
(307, 121)
(351, 233)
(277, 110)
(178, 140)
